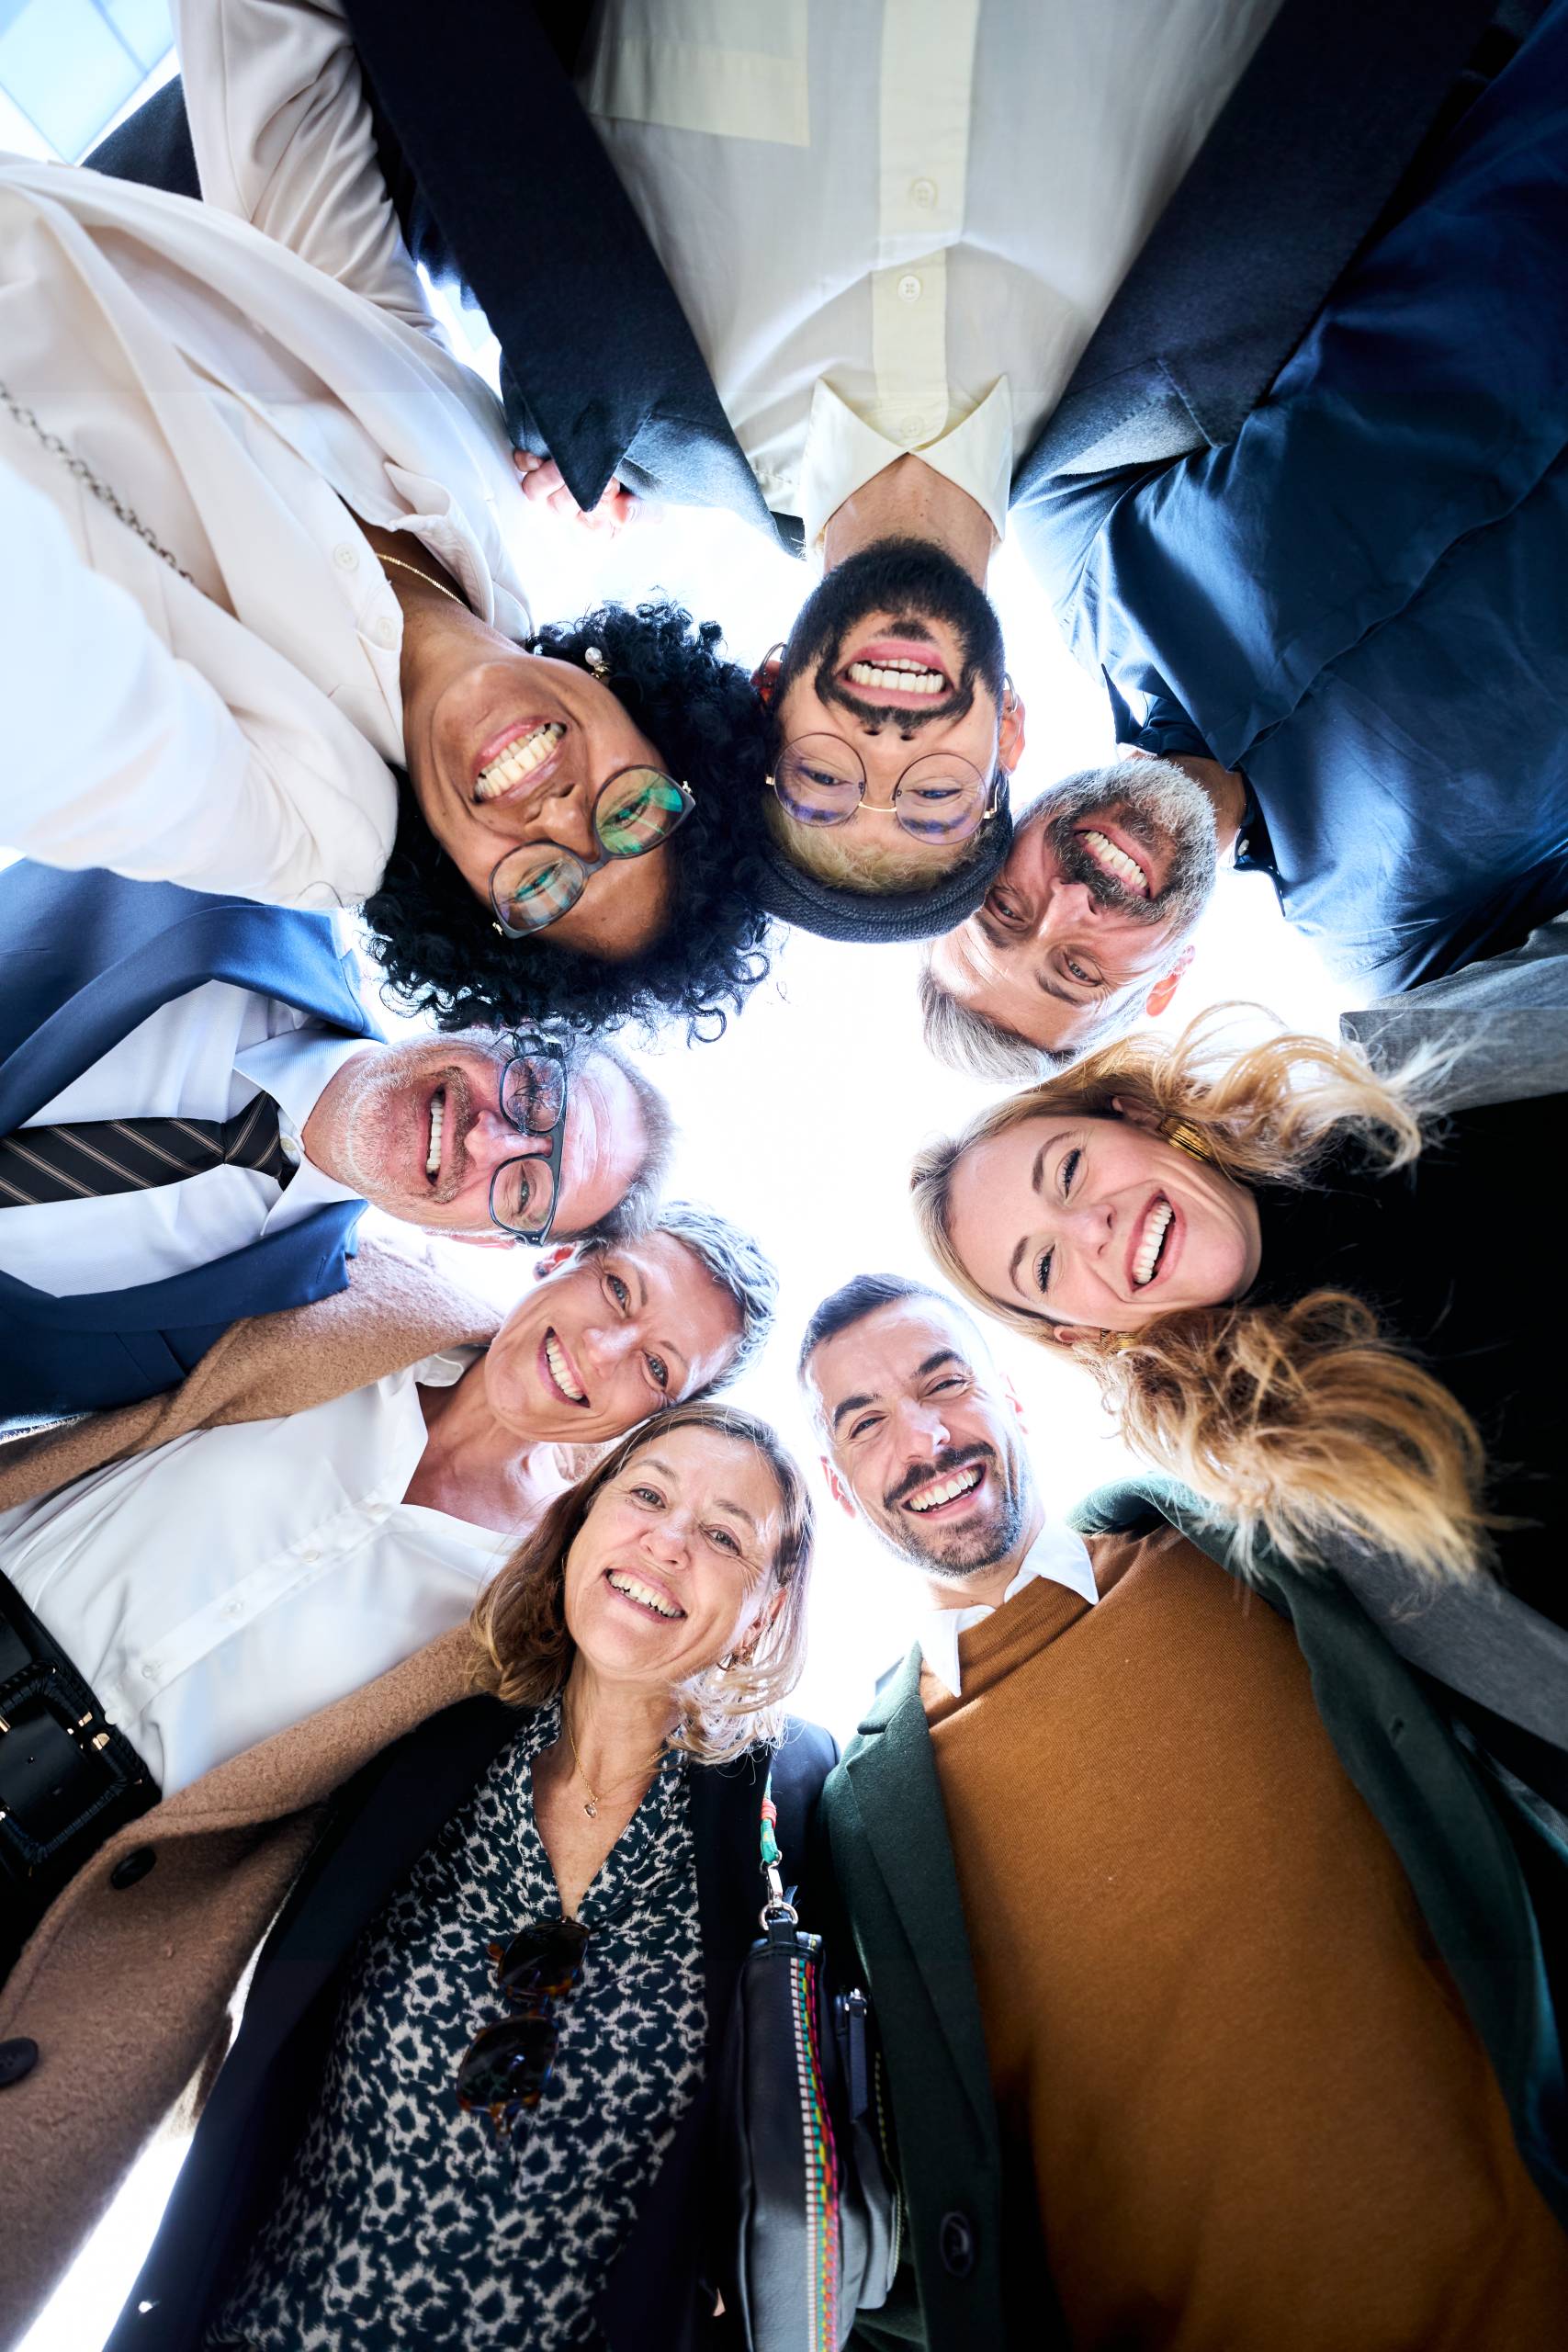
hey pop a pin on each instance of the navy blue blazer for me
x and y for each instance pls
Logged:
(1362, 604)
(599, 368)
(88, 957)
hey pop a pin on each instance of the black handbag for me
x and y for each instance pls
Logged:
(803, 2141)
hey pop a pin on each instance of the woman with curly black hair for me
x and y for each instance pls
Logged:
(270, 640)
(688, 938)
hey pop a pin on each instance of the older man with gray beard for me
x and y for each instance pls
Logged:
(1083, 932)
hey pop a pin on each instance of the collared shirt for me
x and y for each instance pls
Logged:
(237, 1579)
(916, 206)
(202, 1055)
(247, 388)
(1057, 1552)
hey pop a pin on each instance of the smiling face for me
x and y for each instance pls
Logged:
(417, 1130)
(504, 748)
(926, 1440)
(609, 1338)
(898, 655)
(1097, 1224)
(672, 1568)
(1104, 878)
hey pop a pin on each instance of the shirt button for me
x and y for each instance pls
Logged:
(385, 631)
(347, 558)
(17, 2059)
(308, 1553)
(233, 1609)
(913, 428)
(909, 289)
(923, 193)
(150, 1672)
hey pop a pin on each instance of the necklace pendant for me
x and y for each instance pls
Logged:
(591, 1809)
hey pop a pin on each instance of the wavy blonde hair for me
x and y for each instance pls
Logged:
(520, 1617)
(1304, 1423)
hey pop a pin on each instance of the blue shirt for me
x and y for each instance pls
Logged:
(1361, 602)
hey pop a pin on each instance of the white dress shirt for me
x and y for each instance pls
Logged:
(233, 1581)
(1057, 1552)
(202, 1055)
(240, 388)
(919, 204)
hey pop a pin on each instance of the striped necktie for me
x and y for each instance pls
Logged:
(83, 1160)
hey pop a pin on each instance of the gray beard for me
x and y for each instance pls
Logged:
(1159, 807)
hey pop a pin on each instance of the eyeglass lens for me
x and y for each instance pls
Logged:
(821, 781)
(537, 883)
(533, 1096)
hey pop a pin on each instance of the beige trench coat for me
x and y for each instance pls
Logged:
(126, 1990)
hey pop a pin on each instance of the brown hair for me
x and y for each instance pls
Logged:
(1301, 1422)
(520, 1617)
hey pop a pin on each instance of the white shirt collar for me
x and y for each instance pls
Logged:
(296, 1070)
(1057, 1554)
(843, 452)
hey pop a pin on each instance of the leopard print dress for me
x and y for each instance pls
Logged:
(402, 2221)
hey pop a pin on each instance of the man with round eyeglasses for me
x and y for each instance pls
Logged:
(196, 1109)
(512, 1138)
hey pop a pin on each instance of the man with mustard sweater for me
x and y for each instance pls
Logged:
(1204, 1957)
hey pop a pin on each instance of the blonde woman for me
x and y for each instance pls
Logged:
(467, 2100)
(1318, 1299)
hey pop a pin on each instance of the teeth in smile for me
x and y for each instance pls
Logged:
(1156, 1225)
(948, 1491)
(521, 756)
(438, 1121)
(559, 1370)
(643, 1594)
(904, 677)
(1126, 868)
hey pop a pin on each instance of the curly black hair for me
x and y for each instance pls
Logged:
(435, 940)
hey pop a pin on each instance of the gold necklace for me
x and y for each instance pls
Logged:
(398, 565)
(592, 1807)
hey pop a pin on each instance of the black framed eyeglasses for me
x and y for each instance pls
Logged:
(504, 2070)
(821, 780)
(524, 1192)
(638, 809)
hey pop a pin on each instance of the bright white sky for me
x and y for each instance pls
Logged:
(800, 1123)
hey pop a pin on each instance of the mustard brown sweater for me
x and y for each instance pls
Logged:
(1221, 2041)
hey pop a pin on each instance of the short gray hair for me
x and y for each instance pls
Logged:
(638, 1207)
(976, 1046)
(738, 1264)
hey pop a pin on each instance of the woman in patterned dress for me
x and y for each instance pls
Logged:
(467, 2104)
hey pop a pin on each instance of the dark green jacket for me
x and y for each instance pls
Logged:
(1488, 1874)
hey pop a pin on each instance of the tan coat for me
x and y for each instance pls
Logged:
(126, 1991)
(393, 1312)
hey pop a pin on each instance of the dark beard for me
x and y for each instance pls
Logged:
(915, 583)
(1155, 806)
(973, 1548)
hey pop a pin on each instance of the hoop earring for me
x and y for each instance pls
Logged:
(1184, 1137)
